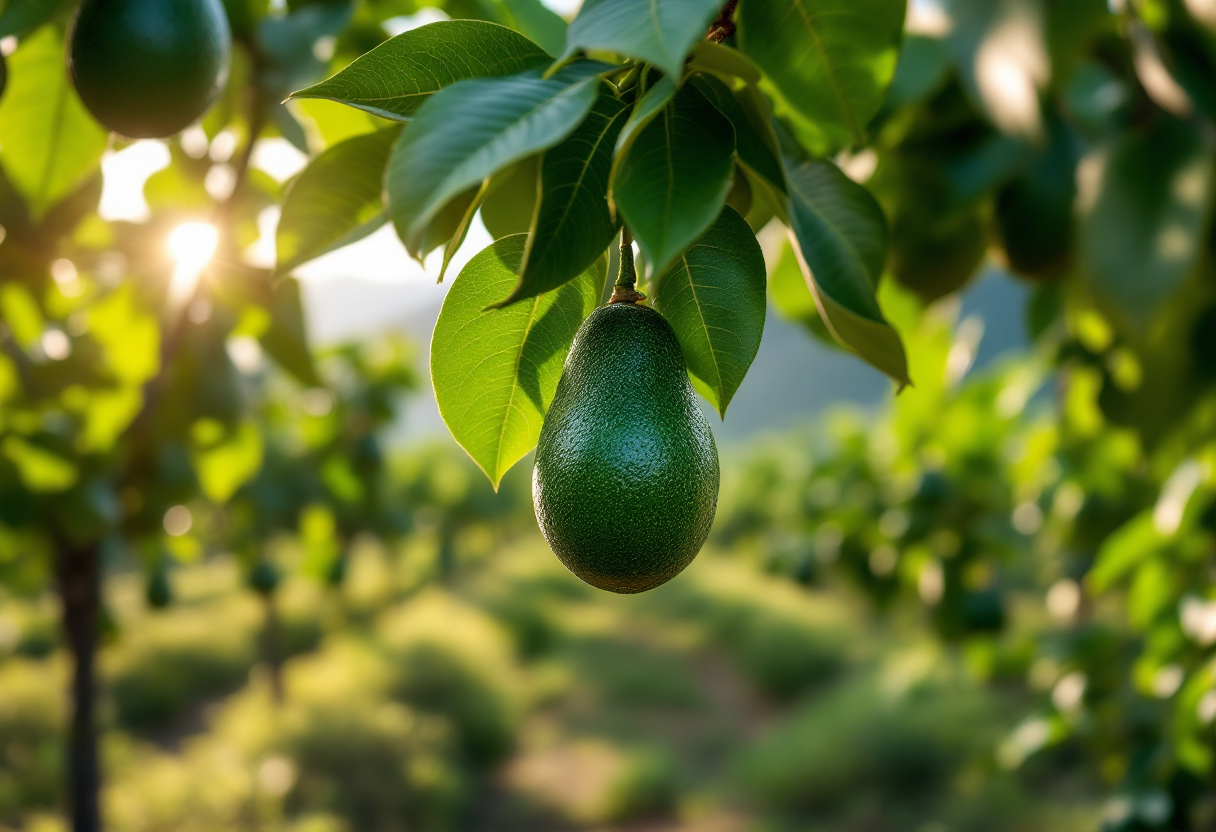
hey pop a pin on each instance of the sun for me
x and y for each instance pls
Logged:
(192, 245)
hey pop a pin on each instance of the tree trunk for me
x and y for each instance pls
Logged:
(79, 574)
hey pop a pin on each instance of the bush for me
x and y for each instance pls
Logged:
(31, 722)
(783, 655)
(784, 639)
(335, 756)
(450, 659)
(167, 662)
(862, 742)
(647, 784)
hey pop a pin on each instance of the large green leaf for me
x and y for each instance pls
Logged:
(286, 338)
(841, 237)
(1144, 230)
(754, 139)
(724, 62)
(793, 300)
(398, 76)
(534, 20)
(827, 63)
(673, 184)
(714, 299)
(511, 199)
(495, 372)
(473, 129)
(659, 32)
(336, 200)
(644, 111)
(49, 145)
(574, 225)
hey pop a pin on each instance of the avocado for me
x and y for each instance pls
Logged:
(626, 478)
(149, 68)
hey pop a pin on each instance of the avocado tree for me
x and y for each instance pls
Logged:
(120, 397)
(1069, 139)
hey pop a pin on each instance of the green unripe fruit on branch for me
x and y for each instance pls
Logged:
(626, 477)
(149, 68)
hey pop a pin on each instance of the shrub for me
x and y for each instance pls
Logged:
(167, 662)
(862, 740)
(647, 784)
(450, 659)
(31, 722)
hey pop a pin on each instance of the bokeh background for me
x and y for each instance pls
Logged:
(897, 624)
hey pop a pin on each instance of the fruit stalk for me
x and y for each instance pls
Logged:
(623, 290)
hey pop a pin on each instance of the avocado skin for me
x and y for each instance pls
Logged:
(626, 478)
(149, 68)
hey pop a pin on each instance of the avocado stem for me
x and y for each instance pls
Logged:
(627, 278)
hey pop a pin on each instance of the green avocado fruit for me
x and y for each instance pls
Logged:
(149, 68)
(626, 477)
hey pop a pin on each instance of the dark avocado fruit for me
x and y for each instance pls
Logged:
(149, 68)
(626, 477)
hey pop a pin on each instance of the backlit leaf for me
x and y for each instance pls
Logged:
(754, 140)
(674, 182)
(473, 129)
(827, 63)
(336, 200)
(714, 299)
(495, 371)
(659, 32)
(841, 236)
(398, 76)
(41, 471)
(225, 467)
(574, 225)
(49, 145)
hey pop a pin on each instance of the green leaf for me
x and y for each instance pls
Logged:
(20, 311)
(473, 129)
(224, 468)
(827, 63)
(574, 225)
(49, 145)
(1145, 230)
(22, 16)
(723, 61)
(841, 238)
(511, 199)
(659, 32)
(755, 143)
(793, 300)
(41, 471)
(286, 339)
(535, 21)
(714, 299)
(495, 372)
(129, 337)
(674, 182)
(336, 200)
(644, 111)
(398, 76)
